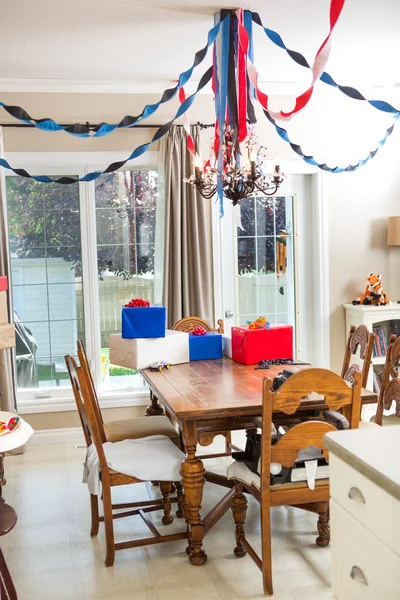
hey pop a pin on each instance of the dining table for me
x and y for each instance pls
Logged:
(206, 398)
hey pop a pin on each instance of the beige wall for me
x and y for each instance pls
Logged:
(333, 128)
(61, 420)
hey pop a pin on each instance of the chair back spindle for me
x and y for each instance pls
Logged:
(361, 338)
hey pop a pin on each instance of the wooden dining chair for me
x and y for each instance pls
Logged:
(359, 337)
(168, 455)
(338, 394)
(123, 429)
(189, 323)
(390, 386)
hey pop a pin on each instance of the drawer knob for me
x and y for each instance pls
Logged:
(356, 495)
(358, 575)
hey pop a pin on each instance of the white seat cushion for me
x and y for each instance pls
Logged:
(153, 458)
(238, 470)
(367, 424)
(392, 419)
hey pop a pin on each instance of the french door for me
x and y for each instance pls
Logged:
(266, 257)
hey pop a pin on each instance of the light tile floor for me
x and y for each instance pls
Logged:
(52, 557)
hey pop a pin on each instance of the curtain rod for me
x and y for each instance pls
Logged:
(91, 126)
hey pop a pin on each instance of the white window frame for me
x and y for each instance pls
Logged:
(312, 326)
(80, 163)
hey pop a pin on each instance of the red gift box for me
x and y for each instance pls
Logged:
(249, 346)
(3, 284)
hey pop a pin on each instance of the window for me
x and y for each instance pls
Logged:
(126, 206)
(46, 266)
(264, 242)
(65, 285)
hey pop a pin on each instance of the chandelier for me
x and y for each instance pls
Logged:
(237, 182)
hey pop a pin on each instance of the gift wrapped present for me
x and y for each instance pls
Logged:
(7, 336)
(142, 320)
(141, 353)
(3, 308)
(207, 346)
(3, 283)
(249, 346)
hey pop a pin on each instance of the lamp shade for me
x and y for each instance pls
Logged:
(393, 238)
(14, 431)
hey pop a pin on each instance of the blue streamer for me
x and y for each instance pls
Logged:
(79, 130)
(221, 97)
(161, 131)
(298, 58)
(283, 134)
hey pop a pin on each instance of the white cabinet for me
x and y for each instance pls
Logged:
(365, 513)
(387, 317)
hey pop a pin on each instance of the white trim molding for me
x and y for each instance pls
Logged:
(320, 255)
(91, 160)
(46, 437)
(52, 404)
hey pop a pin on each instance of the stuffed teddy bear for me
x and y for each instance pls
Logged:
(374, 293)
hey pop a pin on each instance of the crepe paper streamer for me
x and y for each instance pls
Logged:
(298, 58)
(161, 131)
(320, 61)
(137, 303)
(186, 124)
(323, 166)
(80, 130)
(199, 330)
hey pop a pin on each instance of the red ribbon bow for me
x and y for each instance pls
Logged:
(199, 330)
(138, 303)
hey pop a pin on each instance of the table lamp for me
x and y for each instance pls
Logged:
(393, 238)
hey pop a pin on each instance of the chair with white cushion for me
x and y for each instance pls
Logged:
(124, 462)
(116, 431)
(308, 488)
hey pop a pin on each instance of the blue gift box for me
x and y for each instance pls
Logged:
(203, 347)
(144, 322)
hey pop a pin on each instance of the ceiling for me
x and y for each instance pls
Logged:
(131, 42)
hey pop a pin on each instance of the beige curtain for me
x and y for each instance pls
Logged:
(7, 389)
(188, 258)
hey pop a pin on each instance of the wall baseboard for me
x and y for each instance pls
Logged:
(45, 437)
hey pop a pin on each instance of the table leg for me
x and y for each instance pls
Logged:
(2, 480)
(192, 471)
(154, 408)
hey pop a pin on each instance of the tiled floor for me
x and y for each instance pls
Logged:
(52, 557)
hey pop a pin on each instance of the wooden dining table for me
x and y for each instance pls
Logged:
(207, 398)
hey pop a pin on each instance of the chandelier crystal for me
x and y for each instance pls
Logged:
(238, 181)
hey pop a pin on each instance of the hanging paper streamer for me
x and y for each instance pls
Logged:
(323, 166)
(80, 130)
(161, 131)
(298, 58)
(320, 61)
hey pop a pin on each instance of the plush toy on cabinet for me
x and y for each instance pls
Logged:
(374, 292)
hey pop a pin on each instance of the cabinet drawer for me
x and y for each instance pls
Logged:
(363, 567)
(368, 503)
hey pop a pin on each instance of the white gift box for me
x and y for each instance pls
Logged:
(3, 308)
(141, 353)
(7, 336)
(227, 346)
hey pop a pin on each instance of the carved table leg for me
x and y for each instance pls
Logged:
(192, 471)
(323, 524)
(154, 408)
(239, 508)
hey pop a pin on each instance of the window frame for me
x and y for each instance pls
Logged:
(80, 163)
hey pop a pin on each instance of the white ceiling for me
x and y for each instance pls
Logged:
(125, 42)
